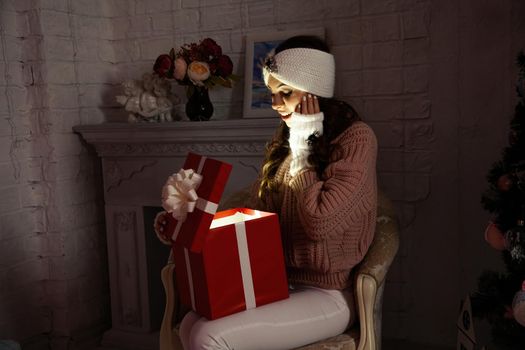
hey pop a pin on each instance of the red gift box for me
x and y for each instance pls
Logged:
(240, 266)
(191, 231)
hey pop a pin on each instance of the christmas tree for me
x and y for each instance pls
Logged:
(501, 295)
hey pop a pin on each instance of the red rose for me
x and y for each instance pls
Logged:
(224, 66)
(163, 66)
(213, 67)
(193, 52)
(210, 48)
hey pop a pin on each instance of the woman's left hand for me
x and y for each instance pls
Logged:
(309, 105)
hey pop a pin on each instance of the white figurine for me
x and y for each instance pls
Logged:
(148, 100)
(161, 89)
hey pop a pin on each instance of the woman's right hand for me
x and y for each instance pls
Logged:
(160, 225)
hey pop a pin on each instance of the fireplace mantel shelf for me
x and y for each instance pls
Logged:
(242, 137)
(183, 131)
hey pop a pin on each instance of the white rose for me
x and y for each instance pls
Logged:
(198, 72)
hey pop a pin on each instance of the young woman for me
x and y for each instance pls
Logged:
(319, 176)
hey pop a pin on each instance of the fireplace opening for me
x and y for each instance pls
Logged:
(157, 255)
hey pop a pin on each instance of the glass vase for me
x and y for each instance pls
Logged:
(199, 106)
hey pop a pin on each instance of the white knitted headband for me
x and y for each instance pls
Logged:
(305, 69)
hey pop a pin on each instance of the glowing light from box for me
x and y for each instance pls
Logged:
(235, 218)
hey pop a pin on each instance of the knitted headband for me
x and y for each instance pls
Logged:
(305, 69)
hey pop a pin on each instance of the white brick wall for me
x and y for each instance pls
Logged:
(45, 170)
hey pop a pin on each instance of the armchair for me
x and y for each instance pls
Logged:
(369, 284)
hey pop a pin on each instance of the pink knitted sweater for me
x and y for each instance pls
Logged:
(328, 224)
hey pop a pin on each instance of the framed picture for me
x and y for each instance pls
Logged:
(257, 97)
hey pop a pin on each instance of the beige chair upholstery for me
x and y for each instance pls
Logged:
(369, 284)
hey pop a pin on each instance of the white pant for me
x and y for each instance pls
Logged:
(309, 315)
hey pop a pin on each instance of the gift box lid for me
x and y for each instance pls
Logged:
(191, 232)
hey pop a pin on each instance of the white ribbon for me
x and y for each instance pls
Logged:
(179, 195)
(246, 268)
(207, 206)
(190, 278)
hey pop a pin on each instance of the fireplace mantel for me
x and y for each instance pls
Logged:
(136, 161)
(242, 137)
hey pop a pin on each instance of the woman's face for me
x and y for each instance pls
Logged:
(284, 97)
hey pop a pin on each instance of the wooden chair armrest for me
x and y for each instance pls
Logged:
(385, 245)
(168, 338)
(382, 252)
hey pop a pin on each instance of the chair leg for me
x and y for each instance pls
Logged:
(366, 289)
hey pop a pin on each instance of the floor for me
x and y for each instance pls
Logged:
(404, 345)
(387, 345)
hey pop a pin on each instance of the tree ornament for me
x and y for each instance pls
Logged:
(515, 241)
(495, 237)
(518, 305)
(505, 183)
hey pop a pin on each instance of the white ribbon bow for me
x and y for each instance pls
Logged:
(179, 194)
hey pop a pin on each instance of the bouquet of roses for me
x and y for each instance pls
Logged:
(197, 65)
